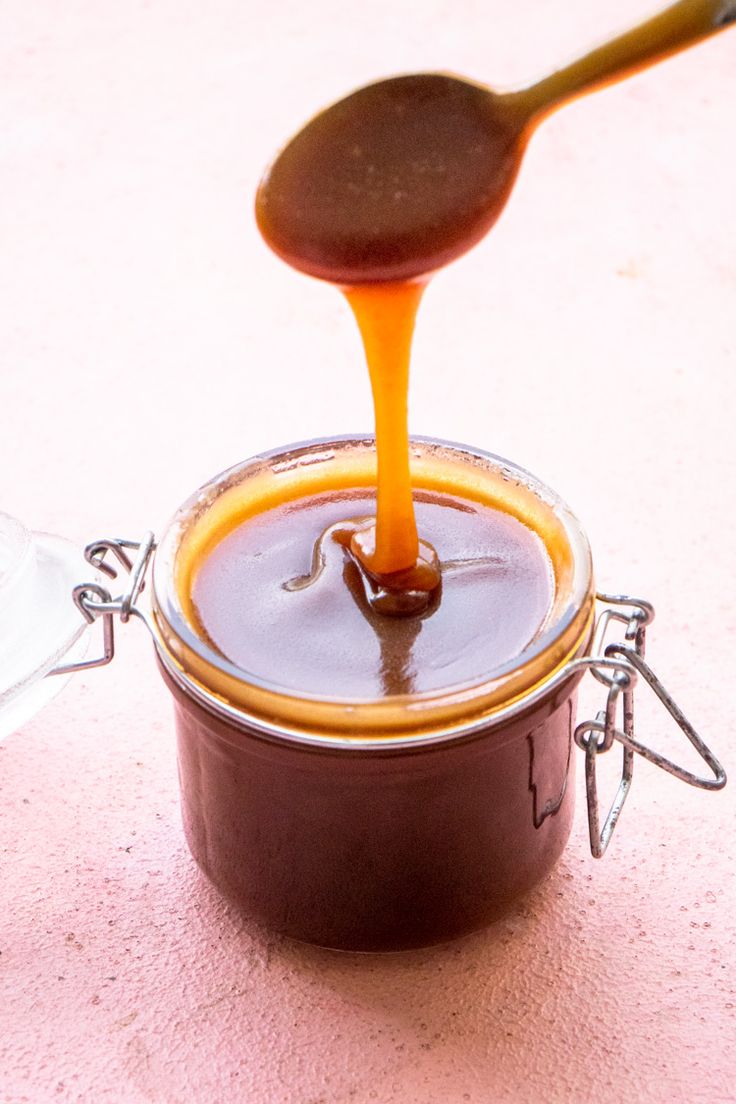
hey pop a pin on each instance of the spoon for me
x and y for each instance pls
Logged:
(405, 175)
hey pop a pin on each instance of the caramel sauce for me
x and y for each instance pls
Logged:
(396, 180)
(390, 550)
(385, 316)
(312, 622)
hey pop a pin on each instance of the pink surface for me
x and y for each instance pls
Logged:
(149, 339)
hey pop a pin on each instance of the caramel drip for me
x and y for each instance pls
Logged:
(386, 314)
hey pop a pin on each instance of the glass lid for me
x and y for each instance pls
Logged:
(41, 625)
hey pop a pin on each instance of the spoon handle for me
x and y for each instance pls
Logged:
(677, 27)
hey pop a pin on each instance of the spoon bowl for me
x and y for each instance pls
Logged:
(393, 181)
(403, 176)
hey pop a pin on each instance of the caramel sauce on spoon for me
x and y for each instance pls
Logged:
(398, 179)
(402, 176)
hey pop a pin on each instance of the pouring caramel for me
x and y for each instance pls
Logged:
(396, 180)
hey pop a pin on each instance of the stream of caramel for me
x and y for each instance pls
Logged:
(386, 314)
(403, 176)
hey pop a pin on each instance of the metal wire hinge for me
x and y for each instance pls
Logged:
(617, 666)
(95, 602)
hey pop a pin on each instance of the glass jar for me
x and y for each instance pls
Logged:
(384, 824)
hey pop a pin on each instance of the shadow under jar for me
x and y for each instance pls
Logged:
(383, 823)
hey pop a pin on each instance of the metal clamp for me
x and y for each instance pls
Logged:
(617, 666)
(96, 602)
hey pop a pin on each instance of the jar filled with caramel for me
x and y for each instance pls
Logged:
(375, 783)
(355, 780)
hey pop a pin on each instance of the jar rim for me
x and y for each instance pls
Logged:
(457, 707)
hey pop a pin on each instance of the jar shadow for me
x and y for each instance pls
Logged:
(480, 1009)
(526, 942)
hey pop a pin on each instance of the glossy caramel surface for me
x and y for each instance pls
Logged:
(280, 598)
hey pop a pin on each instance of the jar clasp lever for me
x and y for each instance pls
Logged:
(617, 665)
(95, 601)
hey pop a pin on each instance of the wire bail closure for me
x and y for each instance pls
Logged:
(95, 601)
(617, 666)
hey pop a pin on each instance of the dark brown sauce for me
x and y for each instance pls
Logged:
(280, 598)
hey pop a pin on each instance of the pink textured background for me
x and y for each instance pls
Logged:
(148, 340)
